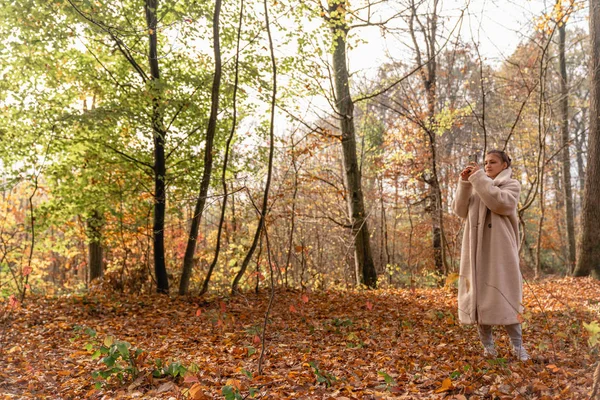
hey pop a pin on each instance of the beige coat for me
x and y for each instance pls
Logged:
(489, 285)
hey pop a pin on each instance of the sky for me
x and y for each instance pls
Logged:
(498, 26)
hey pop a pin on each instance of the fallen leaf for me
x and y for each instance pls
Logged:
(446, 386)
(195, 392)
(166, 387)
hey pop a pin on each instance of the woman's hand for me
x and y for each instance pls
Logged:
(469, 170)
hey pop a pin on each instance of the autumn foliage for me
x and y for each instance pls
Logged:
(322, 345)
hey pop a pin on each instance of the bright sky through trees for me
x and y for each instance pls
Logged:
(497, 26)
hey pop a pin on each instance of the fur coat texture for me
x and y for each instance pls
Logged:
(490, 282)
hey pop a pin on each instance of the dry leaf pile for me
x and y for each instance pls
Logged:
(329, 345)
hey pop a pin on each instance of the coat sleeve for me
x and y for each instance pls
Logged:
(460, 204)
(500, 200)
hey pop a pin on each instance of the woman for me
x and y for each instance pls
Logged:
(490, 285)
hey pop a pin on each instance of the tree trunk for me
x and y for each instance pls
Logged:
(212, 265)
(580, 137)
(94, 229)
(265, 202)
(159, 136)
(589, 251)
(345, 108)
(566, 159)
(190, 250)
(292, 214)
(429, 78)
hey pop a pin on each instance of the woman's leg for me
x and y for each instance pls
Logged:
(485, 334)
(515, 334)
(487, 339)
(516, 338)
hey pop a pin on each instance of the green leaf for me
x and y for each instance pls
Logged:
(228, 392)
(109, 361)
(247, 373)
(388, 379)
(123, 348)
(96, 355)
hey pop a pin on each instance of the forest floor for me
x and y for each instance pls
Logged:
(322, 345)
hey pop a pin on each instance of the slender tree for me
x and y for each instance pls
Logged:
(188, 260)
(265, 201)
(565, 142)
(589, 251)
(212, 265)
(428, 74)
(345, 114)
(94, 234)
(159, 138)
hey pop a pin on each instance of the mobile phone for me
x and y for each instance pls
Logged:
(473, 157)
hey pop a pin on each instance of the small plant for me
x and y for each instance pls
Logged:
(354, 342)
(500, 362)
(173, 369)
(120, 359)
(233, 391)
(342, 322)
(322, 377)
(456, 374)
(123, 361)
(390, 382)
(230, 392)
(80, 330)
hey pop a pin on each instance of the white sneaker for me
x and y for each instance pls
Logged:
(520, 353)
(489, 351)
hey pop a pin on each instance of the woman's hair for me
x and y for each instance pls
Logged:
(503, 156)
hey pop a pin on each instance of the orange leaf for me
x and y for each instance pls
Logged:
(446, 386)
(198, 312)
(553, 368)
(223, 306)
(369, 305)
(196, 392)
(305, 298)
(293, 309)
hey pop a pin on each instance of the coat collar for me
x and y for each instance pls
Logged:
(503, 177)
